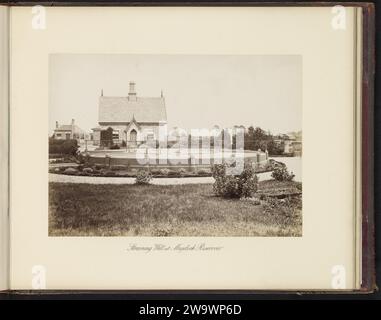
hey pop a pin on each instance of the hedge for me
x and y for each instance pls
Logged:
(63, 147)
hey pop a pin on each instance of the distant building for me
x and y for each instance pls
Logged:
(68, 131)
(293, 143)
(132, 119)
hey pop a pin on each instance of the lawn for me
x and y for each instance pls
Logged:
(178, 210)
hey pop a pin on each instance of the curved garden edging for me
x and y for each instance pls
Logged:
(126, 180)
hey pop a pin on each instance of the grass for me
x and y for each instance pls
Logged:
(178, 210)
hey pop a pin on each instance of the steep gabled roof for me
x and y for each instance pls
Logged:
(64, 127)
(123, 109)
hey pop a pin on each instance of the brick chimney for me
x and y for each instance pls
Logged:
(132, 92)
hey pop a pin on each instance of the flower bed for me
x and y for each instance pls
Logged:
(156, 172)
(97, 171)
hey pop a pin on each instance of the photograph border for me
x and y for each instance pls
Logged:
(368, 62)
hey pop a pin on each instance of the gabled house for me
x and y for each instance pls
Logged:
(133, 119)
(68, 131)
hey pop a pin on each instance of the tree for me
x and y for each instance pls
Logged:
(249, 139)
(106, 137)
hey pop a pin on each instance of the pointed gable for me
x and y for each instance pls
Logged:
(133, 123)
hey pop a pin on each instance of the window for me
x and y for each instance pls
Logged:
(150, 136)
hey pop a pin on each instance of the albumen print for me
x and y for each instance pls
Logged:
(175, 145)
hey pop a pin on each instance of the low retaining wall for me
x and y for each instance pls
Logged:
(110, 159)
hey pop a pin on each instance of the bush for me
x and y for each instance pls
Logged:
(280, 173)
(243, 185)
(173, 173)
(108, 173)
(63, 147)
(203, 172)
(247, 182)
(118, 167)
(70, 171)
(114, 147)
(143, 177)
(88, 170)
(164, 172)
(182, 172)
(155, 171)
(83, 158)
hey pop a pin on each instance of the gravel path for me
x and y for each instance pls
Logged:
(124, 180)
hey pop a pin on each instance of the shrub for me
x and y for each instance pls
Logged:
(269, 166)
(203, 172)
(280, 173)
(133, 172)
(247, 182)
(155, 171)
(143, 177)
(83, 158)
(63, 147)
(118, 167)
(88, 170)
(164, 172)
(70, 171)
(173, 173)
(243, 185)
(109, 173)
(114, 147)
(182, 172)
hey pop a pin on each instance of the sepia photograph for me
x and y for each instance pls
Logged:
(175, 145)
(163, 139)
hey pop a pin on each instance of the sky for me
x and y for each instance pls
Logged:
(200, 90)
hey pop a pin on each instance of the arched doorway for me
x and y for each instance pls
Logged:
(133, 137)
